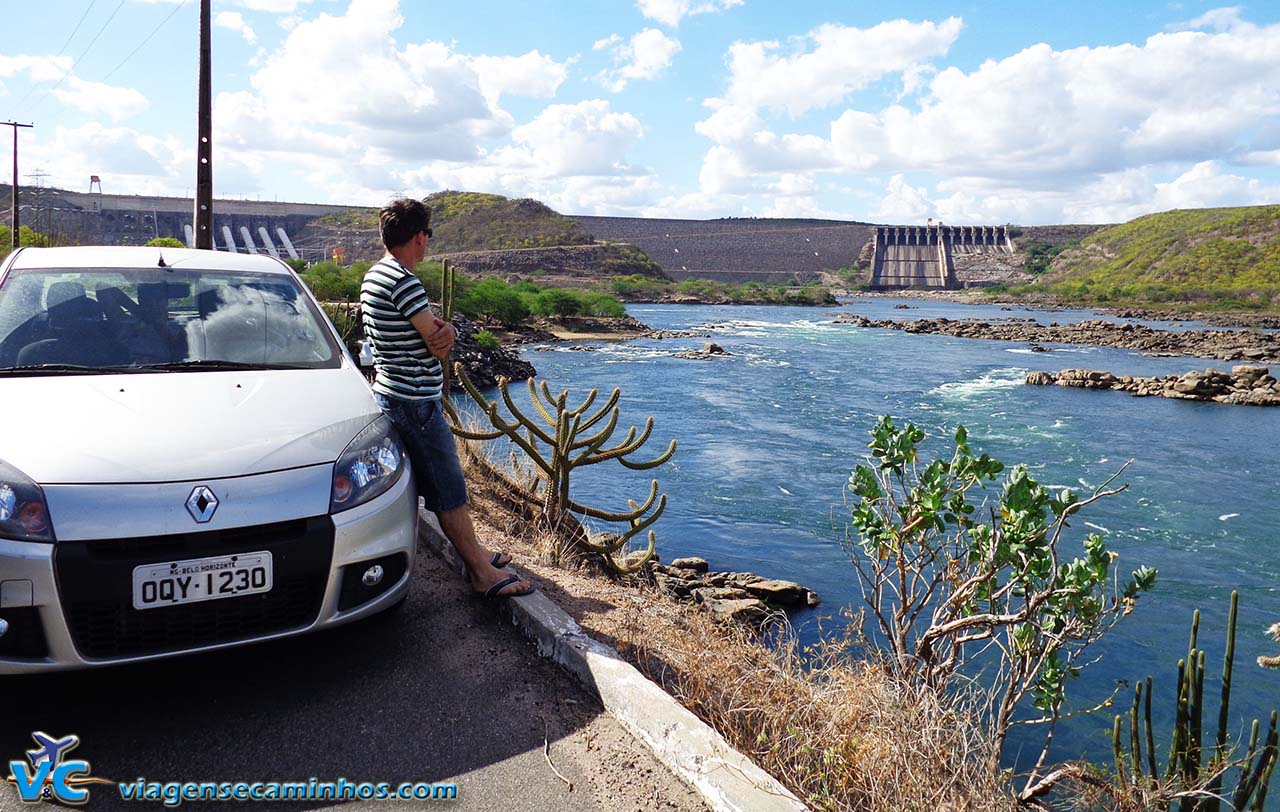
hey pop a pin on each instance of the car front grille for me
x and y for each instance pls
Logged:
(95, 582)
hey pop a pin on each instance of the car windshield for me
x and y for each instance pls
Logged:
(89, 319)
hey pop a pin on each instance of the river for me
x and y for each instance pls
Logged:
(769, 434)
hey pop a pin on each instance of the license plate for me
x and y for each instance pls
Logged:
(201, 579)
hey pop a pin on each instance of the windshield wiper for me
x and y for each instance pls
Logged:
(64, 369)
(211, 365)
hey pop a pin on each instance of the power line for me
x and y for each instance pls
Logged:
(77, 28)
(82, 53)
(31, 89)
(154, 31)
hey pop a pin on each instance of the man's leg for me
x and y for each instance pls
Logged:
(461, 533)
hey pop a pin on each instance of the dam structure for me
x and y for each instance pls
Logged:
(923, 257)
(244, 226)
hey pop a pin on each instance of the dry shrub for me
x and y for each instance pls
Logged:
(832, 727)
(827, 722)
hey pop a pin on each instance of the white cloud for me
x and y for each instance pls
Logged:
(1112, 197)
(532, 74)
(586, 138)
(904, 203)
(1219, 19)
(647, 55)
(1189, 96)
(601, 44)
(419, 101)
(671, 12)
(97, 99)
(1093, 133)
(128, 160)
(37, 68)
(830, 63)
(233, 21)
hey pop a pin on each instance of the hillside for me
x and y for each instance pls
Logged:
(470, 221)
(1177, 256)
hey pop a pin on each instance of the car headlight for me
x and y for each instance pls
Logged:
(369, 466)
(24, 514)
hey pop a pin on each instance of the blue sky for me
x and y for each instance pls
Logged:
(965, 112)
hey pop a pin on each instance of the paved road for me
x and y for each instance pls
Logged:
(442, 691)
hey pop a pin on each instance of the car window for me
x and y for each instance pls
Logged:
(108, 318)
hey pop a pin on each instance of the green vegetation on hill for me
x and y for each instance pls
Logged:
(471, 221)
(1228, 256)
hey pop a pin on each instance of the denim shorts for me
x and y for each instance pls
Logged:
(432, 452)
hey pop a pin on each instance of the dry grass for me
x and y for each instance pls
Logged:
(828, 724)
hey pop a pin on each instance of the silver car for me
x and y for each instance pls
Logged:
(189, 460)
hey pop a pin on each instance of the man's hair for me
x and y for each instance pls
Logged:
(401, 220)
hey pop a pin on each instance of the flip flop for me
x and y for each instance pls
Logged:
(495, 592)
(497, 560)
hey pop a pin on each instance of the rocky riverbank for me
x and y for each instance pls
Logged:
(1228, 345)
(484, 365)
(1246, 385)
(738, 596)
(1047, 302)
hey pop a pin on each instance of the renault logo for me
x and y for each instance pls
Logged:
(201, 504)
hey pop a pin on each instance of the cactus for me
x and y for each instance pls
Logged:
(557, 445)
(446, 313)
(1187, 769)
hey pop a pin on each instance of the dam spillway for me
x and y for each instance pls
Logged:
(922, 257)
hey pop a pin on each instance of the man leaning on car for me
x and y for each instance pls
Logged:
(408, 343)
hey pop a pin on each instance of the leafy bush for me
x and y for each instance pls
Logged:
(332, 282)
(1040, 256)
(166, 242)
(492, 298)
(26, 237)
(486, 340)
(944, 576)
(637, 285)
(557, 302)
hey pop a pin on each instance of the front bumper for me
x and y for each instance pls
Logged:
(47, 594)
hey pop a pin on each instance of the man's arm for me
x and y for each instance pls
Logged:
(436, 332)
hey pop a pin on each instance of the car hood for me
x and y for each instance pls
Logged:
(176, 426)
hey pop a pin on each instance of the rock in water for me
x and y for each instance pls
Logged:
(744, 610)
(691, 563)
(784, 593)
(1038, 378)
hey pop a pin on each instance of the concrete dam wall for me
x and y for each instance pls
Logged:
(738, 249)
(924, 256)
(101, 219)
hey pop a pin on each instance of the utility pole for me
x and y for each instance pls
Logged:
(15, 125)
(203, 214)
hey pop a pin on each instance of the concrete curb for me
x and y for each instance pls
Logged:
(727, 780)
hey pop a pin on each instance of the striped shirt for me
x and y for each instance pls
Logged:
(389, 297)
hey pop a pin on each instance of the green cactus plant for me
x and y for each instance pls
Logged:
(446, 312)
(559, 440)
(1194, 773)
